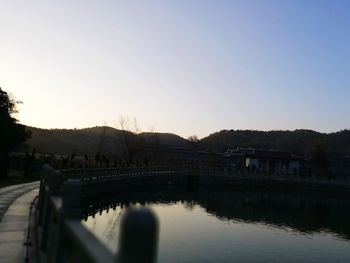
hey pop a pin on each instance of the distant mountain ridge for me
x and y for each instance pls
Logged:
(92, 140)
(108, 139)
(298, 141)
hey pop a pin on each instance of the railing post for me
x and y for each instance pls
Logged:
(40, 205)
(70, 210)
(138, 242)
(42, 200)
(53, 179)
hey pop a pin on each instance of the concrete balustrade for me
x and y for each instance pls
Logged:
(62, 237)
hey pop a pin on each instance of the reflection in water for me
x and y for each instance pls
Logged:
(239, 226)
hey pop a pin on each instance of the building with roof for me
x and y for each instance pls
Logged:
(268, 161)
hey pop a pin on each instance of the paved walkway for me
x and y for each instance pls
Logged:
(15, 203)
(11, 193)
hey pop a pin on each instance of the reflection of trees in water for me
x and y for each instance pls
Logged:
(112, 225)
(301, 212)
(189, 205)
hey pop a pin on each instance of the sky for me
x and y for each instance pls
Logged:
(182, 66)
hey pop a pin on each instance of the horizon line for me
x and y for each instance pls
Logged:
(256, 130)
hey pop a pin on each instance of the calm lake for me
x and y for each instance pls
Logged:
(236, 226)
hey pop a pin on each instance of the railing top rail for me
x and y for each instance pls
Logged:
(103, 175)
(63, 238)
(93, 249)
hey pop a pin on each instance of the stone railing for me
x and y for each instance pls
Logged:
(62, 238)
(87, 176)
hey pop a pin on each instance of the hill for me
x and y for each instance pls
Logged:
(92, 140)
(107, 139)
(299, 141)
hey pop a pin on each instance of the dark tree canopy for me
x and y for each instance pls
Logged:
(12, 134)
(193, 138)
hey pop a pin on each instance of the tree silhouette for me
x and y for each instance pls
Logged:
(193, 138)
(132, 142)
(194, 141)
(12, 134)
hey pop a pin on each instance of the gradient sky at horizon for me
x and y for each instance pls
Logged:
(186, 66)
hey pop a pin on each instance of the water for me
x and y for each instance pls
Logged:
(239, 226)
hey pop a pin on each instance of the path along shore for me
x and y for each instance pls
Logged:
(15, 204)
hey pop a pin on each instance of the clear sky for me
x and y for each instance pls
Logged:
(182, 66)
